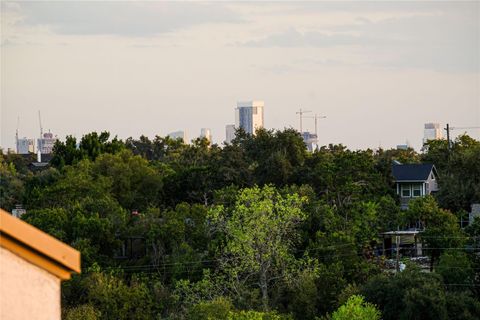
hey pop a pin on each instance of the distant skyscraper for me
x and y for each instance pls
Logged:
(310, 140)
(45, 143)
(249, 116)
(179, 135)
(206, 133)
(229, 133)
(432, 131)
(25, 146)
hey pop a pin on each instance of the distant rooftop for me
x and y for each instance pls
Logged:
(432, 126)
(255, 103)
(412, 172)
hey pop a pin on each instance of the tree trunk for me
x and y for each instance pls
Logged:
(264, 289)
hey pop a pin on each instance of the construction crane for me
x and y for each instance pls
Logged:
(40, 121)
(463, 128)
(448, 129)
(301, 112)
(316, 117)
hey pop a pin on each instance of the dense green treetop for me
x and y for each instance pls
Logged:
(256, 229)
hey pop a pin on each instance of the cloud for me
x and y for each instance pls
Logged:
(135, 19)
(439, 40)
(294, 38)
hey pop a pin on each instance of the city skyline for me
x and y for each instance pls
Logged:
(379, 71)
(432, 131)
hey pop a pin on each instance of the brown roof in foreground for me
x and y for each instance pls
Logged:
(38, 247)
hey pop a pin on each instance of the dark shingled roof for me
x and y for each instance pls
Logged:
(412, 172)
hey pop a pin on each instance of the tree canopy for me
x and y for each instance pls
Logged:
(256, 229)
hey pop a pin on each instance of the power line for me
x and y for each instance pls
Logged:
(322, 257)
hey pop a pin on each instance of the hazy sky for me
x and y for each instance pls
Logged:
(377, 70)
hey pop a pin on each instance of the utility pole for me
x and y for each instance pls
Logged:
(448, 136)
(301, 112)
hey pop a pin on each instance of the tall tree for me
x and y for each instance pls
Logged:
(260, 234)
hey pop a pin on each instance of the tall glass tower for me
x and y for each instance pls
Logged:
(249, 115)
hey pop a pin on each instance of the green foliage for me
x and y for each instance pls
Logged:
(196, 230)
(357, 309)
(442, 229)
(83, 214)
(82, 312)
(303, 296)
(90, 147)
(134, 184)
(347, 292)
(11, 185)
(389, 216)
(459, 172)
(187, 293)
(222, 309)
(456, 270)
(410, 294)
(219, 308)
(344, 177)
(462, 306)
(117, 300)
(255, 315)
(272, 155)
(53, 221)
(260, 234)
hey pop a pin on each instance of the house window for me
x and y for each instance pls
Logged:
(432, 176)
(405, 191)
(417, 190)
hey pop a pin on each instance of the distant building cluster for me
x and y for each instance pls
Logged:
(182, 134)
(431, 131)
(249, 116)
(45, 144)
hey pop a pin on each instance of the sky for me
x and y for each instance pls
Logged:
(377, 70)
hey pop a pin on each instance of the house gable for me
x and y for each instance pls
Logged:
(414, 180)
(412, 172)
